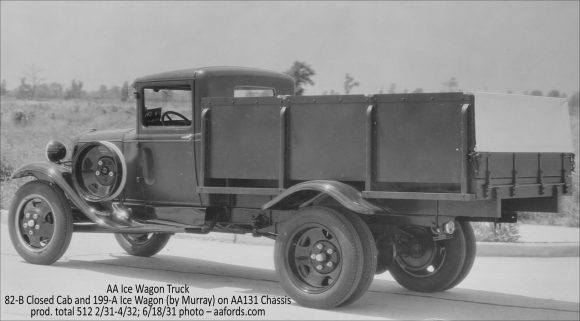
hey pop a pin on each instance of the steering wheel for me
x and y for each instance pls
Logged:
(171, 112)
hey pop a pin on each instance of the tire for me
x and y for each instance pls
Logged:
(325, 257)
(40, 222)
(147, 244)
(99, 171)
(370, 254)
(470, 253)
(433, 265)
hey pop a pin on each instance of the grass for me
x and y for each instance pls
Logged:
(26, 127)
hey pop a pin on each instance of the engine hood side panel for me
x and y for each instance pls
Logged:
(114, 135)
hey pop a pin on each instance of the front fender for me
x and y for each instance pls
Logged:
(57, 174)
(344, 194)
(42, 171)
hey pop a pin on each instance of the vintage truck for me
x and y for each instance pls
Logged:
(347, 185)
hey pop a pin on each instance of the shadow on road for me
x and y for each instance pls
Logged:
(385, 298)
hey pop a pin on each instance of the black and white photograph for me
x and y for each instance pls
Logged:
(289, 160)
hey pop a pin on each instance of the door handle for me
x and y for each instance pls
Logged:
(195, 137)
(187, 137)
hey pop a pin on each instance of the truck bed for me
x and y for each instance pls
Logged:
(418, 146)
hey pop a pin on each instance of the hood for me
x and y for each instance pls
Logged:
(113, 135)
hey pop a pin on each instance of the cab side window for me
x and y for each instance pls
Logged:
(254, 91)
(167, 106)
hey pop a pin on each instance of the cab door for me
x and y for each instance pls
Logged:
(165, 144)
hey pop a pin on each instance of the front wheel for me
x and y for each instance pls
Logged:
(325, 257)
(146, 244)
(425, 265)
(40, 222)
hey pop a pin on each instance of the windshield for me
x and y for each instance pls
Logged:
(167, 106)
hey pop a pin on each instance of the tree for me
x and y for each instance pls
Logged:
(451, 85)
(554, 93)
(102, 91)
(302, 74)
(393, 88)
(349, 83)
(125, 92)
(33, 75)
(56, 90)
(331, 92)
(418, 91)
(536, 92)
(75, 91)
(114, 92)
(3, 89)
(574, 100)
(24, 91)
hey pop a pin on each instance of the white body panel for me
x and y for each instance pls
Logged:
(519, 124)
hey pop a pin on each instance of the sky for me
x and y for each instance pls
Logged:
(487, 46)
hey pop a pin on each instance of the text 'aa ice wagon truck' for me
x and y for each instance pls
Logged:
(347, 185)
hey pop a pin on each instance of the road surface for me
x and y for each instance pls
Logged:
(497, 288)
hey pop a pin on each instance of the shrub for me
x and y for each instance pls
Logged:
(496, 232)
(19, 118)
(6, 170)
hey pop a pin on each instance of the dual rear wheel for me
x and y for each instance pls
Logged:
(327, 257)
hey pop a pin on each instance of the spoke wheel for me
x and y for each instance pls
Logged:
(40, 223)
(424, 265)
(325, 257)
(146, 244)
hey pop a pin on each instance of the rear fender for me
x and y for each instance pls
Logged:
(305, 193)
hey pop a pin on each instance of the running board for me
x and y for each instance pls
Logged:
(149, 226)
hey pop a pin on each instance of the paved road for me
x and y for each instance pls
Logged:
(497, 288)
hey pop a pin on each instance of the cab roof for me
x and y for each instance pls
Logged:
(211, 72)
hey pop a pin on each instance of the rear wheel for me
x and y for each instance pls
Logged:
(424, 265)
(146, 244)
(470, 253)
(40, 223)
(325, 257)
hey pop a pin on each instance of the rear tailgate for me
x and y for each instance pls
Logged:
(523, 146)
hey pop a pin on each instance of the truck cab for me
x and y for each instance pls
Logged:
(169, 120)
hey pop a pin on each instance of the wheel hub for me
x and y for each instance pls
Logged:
(324, 257)
(320, 257)
(30, 225)
(418, 254)
(315, 258)
(36, 223)
(105, 171)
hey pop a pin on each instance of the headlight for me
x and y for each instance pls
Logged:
(55, 151)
